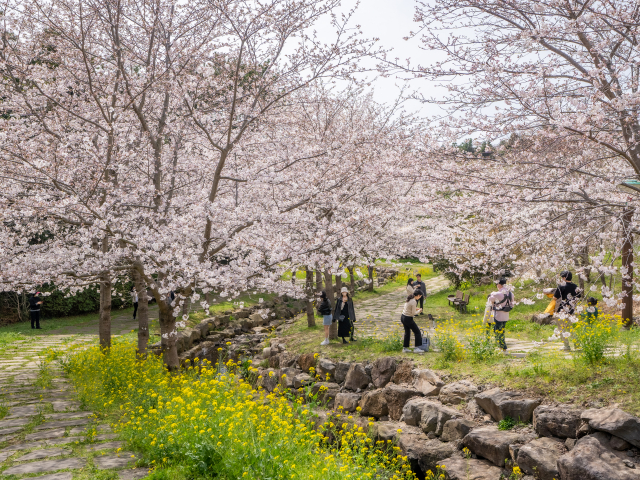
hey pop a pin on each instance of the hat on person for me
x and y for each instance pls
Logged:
(344, 290)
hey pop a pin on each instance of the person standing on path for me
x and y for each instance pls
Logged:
(419, 284)
(410, 286)
(34, 310)
(502, 303)
(134, 299)
(324, 309)
(409, 311)
(345, 314)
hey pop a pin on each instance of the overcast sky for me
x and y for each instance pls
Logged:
(390, 21)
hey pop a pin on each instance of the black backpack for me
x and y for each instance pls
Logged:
(506, 305)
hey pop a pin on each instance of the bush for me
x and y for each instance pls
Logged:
(447, 342)
(216, 425)
(594, 337)
(482, 344)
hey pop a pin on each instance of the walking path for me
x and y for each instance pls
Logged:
(380, 318)
(43, 427)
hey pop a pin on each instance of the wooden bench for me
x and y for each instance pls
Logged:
(462, 303)
(454, 298)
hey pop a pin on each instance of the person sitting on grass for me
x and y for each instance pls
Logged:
(409, 311)
(591, 315)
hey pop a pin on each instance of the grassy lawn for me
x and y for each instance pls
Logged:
(543, 373)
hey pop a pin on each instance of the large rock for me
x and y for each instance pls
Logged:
(306, 361)
(382, 371)
(268, 380)
(374, 404)
(422, 452)
(412, 410)
(435, 415)
(501, 404)
(348, 401)
(459, 468)
(286, 377)
(543, 319)
(560, 421)
(458, 392)
(616, 422)
(342, 368)
(397, 396)
(427, 382)
(392, 430)
(257, 320)
(302, 380)
(592, 459)
(326, 367)
(540, 457)
(325, 393)
(403, 373)
(493, 444)
(357, 377)
(205, 326)
(456, 429)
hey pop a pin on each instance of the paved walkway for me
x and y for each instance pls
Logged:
(45, 433)
(380, 317)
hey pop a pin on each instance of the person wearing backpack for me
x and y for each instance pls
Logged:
(501, 303)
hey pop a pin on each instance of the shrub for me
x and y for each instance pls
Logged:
(482, 345)
(594, 337)
(215, 424)
(447, 342)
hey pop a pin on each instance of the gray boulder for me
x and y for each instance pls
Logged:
(459, 468)
(458, 392)
(427, 382)
(412, 410)
(423, 452)
(286, 377)
(493, 444)
(325, 393)
(373, 404)
(561, 421)
(435, 415)
(357, 377)
(392, 430)
(540, 457)
(592, 459)
(302, 380)
(397, 396)
(543, 319)
(348, 401)
(382, 371)
(327, 367)
(268, 379)
(341, 371)
(501, 404)
(456, 429)
(616, 422)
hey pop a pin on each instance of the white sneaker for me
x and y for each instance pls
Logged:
(406, 350)
(326, 342)
(418, 350)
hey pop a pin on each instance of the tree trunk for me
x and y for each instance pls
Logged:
(352, 280)
(333, 330)
(338, 284)
(207, 298)
(627, 262)
(143, 312)
(370, 286)
(104, 327)
(186, 306)
(293, 277)
(318, 281)
(311, 320)
(169, 335)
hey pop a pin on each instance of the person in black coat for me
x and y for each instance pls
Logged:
(344, 309)
(324, 309)
(568, 293)
(34, 310)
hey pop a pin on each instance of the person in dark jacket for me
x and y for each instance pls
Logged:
(419, 285)
(324, 309)
(344, 309)
(568, 293)
(34, 310)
